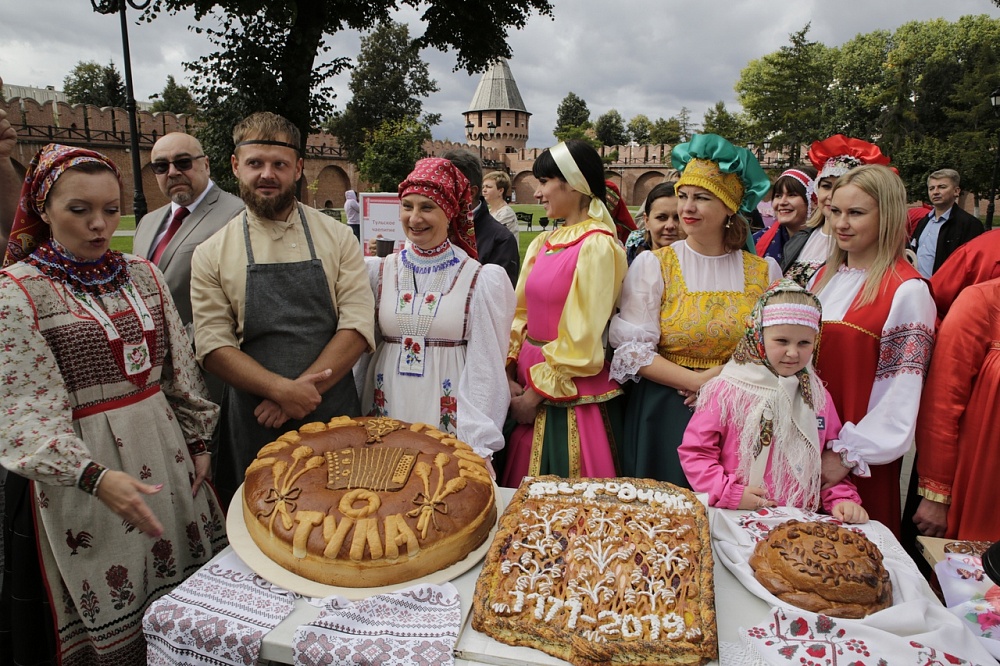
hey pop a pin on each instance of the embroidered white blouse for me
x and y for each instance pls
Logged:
(886, 432)
(482, 391)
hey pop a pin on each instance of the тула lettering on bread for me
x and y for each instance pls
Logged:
(368, 501)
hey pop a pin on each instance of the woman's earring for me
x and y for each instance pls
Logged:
(729, 222)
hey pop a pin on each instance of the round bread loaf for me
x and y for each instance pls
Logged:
(367, 502)
(823, 568)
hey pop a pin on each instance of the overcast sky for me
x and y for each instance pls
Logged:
(637, 56)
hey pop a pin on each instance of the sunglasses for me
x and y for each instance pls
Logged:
(160, 167)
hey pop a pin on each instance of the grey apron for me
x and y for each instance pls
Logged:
(289, 319)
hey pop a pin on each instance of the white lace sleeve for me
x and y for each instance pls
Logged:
(635, 330)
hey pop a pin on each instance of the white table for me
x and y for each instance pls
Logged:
(734, 607)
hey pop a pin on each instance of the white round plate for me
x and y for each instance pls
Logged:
(271, 571)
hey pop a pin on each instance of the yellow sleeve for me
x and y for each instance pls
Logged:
(578, 350)
(519, 326)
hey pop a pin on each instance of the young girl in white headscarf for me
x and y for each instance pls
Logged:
(761, 425)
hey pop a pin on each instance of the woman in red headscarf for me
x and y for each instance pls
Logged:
(106, 420)
(437, 308)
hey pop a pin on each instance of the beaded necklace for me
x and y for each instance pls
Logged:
(87, 281)
(415, 321)
(103, 276)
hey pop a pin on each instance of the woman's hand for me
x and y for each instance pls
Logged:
(931, 518)
(850, 512)
(833, 468)
(691, 397)
(755, 497)
(202, 471)
(524, 407)
(123, 495)
(515, 388)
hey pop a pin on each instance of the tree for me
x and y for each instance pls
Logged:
(580, 132)
(175, 98)
(114, 86)
(610, 129)
(684, 122)
(389, 83)
(718, 120)
(665, 131)
(860, 79)
(572, 112)
(639, 128)
(93, 83)
(391, 150)
(242, 81)
(281, 73)
(783, 93)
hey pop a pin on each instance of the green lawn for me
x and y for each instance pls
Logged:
(124, 243)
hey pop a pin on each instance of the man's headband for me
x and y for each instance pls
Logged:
(266, 142)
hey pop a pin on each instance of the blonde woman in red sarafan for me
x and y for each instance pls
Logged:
(878, 330)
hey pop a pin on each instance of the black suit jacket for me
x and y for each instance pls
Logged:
(495, 243)
(959, 228)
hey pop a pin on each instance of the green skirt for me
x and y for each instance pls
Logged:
(655, 420)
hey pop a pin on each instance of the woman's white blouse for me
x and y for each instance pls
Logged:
(635, 330)
(886, 432)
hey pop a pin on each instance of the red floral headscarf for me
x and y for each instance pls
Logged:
(28, 229)
(441, 182)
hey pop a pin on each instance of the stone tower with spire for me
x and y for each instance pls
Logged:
(497, 111)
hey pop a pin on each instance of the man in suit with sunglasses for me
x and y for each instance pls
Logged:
(168, 236)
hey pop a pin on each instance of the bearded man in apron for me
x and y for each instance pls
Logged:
(281, 302)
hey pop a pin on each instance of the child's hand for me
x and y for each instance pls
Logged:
(850, 512)
(755, 498)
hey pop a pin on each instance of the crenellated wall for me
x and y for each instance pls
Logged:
(636, 171)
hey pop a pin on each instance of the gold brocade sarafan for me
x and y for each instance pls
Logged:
(700, 329)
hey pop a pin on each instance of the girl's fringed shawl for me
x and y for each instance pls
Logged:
(759, 404)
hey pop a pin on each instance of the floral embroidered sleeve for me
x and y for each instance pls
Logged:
(483, 393)
(886, 431)
(37, 440)
(181, 380)
(519, 326)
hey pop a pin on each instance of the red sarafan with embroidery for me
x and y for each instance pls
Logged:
(823, 568)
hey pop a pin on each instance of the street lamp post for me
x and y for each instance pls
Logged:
(995, 103)
(767, 147)
(490, 128)
(110, 7)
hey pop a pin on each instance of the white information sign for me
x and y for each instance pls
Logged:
(380, 218)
